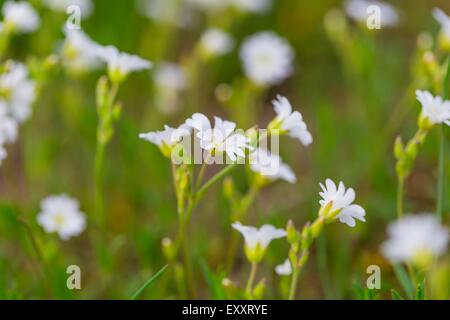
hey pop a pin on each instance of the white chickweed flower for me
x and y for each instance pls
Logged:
(257, 240)
(86, 6)
(337, 203)
(358, 11)
(267, 59)
(8, 132)
(17, 92)
(253, 6)
(288, 122)
(61, 214)
(417, 239)
(220, 138)
(270, 166)
(120, 64)
(80, 52)
(19, 17)
(215, 42)
(167, 138)
(435, 109)
(284, 269)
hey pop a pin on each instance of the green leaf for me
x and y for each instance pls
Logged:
(395, 295)
(420, 290)
(214, 282)
(135, 295)
(404, 280)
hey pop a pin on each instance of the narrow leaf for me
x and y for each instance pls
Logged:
(149, 282)
(395, 295)
(420, 290)
(404, 280)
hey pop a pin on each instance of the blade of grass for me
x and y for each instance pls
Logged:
(402, 276)
(213, 281)
(395, 295)
(420, 290)
(135, 295)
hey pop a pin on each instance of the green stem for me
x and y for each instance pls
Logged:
(213, 180)
(98, 182)
(294, 280)
(441, 177)
(251, 279)
(400, 189)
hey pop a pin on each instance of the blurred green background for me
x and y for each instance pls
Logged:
(355, 100)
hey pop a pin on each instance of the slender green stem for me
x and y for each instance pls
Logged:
(400, 189)
(251, 279)
(441, 177)
(98, 182)
(294, 280)
(213, 180)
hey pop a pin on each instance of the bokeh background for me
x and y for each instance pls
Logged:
(356, 95)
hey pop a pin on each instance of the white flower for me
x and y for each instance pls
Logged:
(220, 138)
(358, 10)
(341, 200)
(209, 5)
(290, 122)
(8, 132)
(120, 64)
(86, 6)
(166, 138)
(19, 17)
(61, 214)
(216, 42)
(17, 92)
(170, 76)
(168, 11)
(255, 6)
(284, 269)
(80, 52)
(271, 166)
(415, 237)
(257, 240)
(435, 109)
(8, 128)
(267, 58)
(444, 21)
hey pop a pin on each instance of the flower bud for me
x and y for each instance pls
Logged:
(398, 147)
(168, 249)
(292, 234)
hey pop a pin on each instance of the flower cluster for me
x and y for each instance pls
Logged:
(17, 93)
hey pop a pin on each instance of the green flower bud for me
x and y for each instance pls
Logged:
(260, 288)
(168, 249)
(398, 147)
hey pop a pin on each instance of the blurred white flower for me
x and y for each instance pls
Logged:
(19, 17)
(8, 132)
(270, 166)
(435, 109)
(267, 58)
(284, 269)
(444, 21)
(220, 138)
(209, 5)
(17, 91)
(254, 6)
(61, 214)
(341, 203)
(172, 12)
(357, 10)
(290, 123)
(120, 64)
(415, 238)
(215, 42)
(86, 6)
(8, 127)
(170, 76)
(80, 52)
(257, 240)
